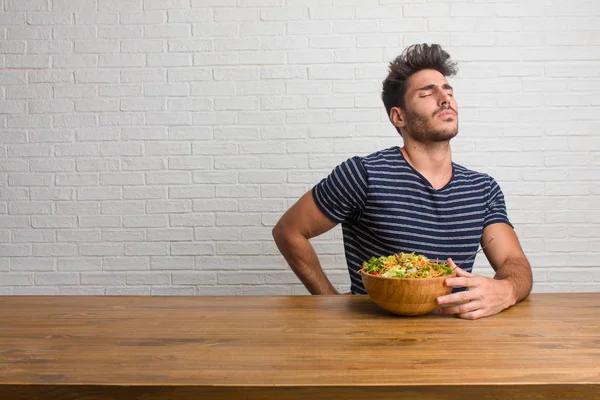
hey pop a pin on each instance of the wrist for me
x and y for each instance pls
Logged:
(511, 293)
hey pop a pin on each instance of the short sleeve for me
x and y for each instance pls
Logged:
(342, 195)
(496, 206)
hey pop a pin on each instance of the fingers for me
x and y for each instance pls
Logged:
(460, 297)
(472, 315)
(459, 271)
(468, 309)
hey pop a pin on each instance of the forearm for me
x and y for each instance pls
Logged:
(516, 271)
(302, 258)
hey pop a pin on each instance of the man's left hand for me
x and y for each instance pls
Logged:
(485, 297)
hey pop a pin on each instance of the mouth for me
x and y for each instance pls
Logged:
(447, 114)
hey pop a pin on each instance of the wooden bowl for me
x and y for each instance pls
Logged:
(406, 296)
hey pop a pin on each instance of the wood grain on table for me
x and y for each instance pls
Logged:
(290, 347)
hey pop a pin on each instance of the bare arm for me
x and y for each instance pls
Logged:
(508, 260)
(301, 222)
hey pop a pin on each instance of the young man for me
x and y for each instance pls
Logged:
(413, 199)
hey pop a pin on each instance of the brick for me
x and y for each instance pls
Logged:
(121, 178)
(101, 249)
(168, 177)
(17, 278)
(168, 118)
(117, 5)
(15, 179)
(51, 136)
(74, 91)
(173, 291)
(121, 149)
(29, 207)
(84, 16)
(14, 136)
(148, 278)
(100, 221)
(143, 18)
(147, 221)
(103, 278)
(143, 46)
(146, 249)
(121, 60)
(75, 121)
(171, 263)
(36, 33)
(52, 194)
(195, 278)
(95, 164)
(168, 206)
(97, 134)
(168, 31)
(13, 77)
(12, 47)
(123, 207)
(97, 75)
(86, 179)
(120, 32)
(54, 249)
(217, 263)
(33, 235)
(120, 90)
(189, 15)
(144, 164)
(168, 148)
(99, 193)
(145, 192)
(53, 221)
(126, 263)
(240, 278)
(123, 235)
(189, 133)
(18, 193)
(51, 106)
(192, 249)
(217, 233)
(188, 192)
(236, 219)
(170, 235)
(25, 5)
(28, 121)
(193, 220)
(207, 177)
(19, 264)
(180, 89)
(15, 250)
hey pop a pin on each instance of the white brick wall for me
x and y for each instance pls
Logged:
(148, 146)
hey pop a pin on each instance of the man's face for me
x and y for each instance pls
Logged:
(431, 112)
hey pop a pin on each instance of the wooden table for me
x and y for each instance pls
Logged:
(293, 347)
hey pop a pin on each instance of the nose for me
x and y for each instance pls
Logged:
(444, 98)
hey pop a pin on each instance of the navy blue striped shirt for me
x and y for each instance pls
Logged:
(385, 206)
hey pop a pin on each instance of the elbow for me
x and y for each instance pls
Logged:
(283, 234)
(279, 234)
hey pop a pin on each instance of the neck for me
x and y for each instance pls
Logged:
(433, 161)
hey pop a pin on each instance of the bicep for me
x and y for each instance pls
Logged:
(504, 246)
(306, 218)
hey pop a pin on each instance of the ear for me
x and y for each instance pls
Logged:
(398, 117)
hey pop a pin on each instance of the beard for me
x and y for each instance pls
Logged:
(420, 127)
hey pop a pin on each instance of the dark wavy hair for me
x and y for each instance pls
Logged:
(413, 59)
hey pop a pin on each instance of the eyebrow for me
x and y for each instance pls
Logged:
(431, 86)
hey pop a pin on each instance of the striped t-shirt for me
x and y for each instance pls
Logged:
(385, 206)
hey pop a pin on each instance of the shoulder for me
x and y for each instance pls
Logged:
(381, 158)
(470, 176)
